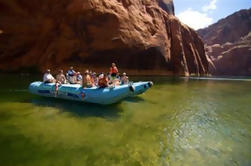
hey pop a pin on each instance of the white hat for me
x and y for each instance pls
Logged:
(101, 76)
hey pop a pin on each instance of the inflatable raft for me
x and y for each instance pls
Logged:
(104, 96)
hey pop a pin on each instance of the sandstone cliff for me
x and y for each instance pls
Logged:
(140, 36)
(167, 5)
(228, 44)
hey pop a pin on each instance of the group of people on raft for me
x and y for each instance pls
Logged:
(90, 79)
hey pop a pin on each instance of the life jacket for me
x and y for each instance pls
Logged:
(113, 70)
(79, 77)
(71, 73)
(102, 82)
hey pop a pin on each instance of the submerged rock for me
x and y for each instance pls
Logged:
(138, 35)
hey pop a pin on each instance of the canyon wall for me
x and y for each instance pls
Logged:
(228, 44)
(142, 37)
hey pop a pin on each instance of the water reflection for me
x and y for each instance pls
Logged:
(177, 122)
(135, 99)
(80, 109)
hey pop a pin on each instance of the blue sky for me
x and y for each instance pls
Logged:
(201, 13)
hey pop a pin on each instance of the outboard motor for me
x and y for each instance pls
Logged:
(150, 84)
(132, 88)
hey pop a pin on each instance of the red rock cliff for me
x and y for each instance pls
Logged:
(140, 36)
(228, 44)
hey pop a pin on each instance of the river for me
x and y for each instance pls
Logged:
(178, 122)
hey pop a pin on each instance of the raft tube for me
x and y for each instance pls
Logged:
(95, 95)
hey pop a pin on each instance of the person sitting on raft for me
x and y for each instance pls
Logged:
(87, 80)
(94, 78)
(48, 78)
(116, 81)
(61, 77)
(124, 79)
(102, 81)
(71, 75)
(79, 78)
(113, 70)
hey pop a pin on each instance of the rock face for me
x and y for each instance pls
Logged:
(228, 44)
(167, 5)
(138, 35)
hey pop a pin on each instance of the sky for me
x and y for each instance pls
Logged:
(202, 13)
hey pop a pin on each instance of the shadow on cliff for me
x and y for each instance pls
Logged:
(80, 109)
(133, 59)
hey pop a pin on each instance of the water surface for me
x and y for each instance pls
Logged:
(178, 122)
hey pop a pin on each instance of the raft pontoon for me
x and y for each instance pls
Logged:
(96, 95)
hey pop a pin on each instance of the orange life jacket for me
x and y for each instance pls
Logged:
(113, 70)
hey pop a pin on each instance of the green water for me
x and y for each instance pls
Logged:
(176, 123)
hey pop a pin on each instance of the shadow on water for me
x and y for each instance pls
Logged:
(80, 109)
(135, 99)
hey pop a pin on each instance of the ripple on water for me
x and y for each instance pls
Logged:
(176, 123)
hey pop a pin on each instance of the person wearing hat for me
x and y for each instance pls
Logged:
(61, 77)
(87, 80)
(94, 79)
(124, 79)
(48, 78)
(79, 78)
(116, 81)
(102, 81)
(71, 75)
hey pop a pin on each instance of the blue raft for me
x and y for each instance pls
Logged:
(95, 95)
